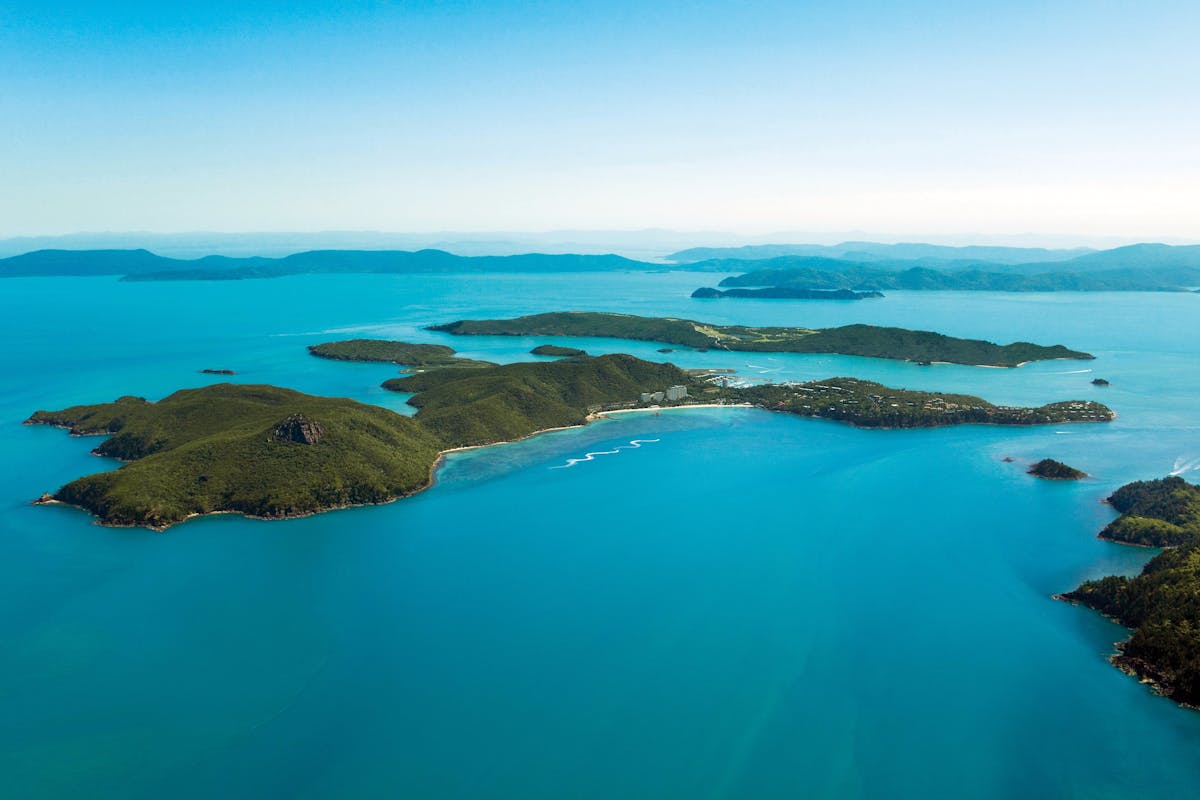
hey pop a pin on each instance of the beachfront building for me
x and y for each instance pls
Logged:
(652, 397)
(677, 392)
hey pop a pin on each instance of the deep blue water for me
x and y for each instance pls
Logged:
(747, 605)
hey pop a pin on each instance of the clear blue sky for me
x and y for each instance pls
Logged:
(918, 116)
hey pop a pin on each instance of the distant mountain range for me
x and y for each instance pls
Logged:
(1143, 267)
(1020, 260)
(142, 265)
(873, 252)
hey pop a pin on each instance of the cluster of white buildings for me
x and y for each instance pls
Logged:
(672, 394)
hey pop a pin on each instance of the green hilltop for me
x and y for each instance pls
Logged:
(1162, 604)
(515, 400)
(392, 352)
(258, 450)
(866, 404)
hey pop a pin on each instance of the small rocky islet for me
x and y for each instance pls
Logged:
(1051, 470)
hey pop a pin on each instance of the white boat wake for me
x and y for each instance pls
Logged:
(1184, 464)
(1070, 372)
(634, 444)
(764, 370)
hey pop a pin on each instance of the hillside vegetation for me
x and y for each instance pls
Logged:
(781, 276)
(853, 340)
(271, 452)
(511, 401)
(1160, 513)
(1162, 604)
(411, 355)
(1053, 470)
(866, 404)
(234, 448)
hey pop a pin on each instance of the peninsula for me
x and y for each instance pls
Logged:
(270, 452)
(392, 352)
(785, 293)
(1162, 604)
(850, 340)
(256, 450)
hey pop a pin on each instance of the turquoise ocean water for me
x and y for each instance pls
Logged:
(746, 605)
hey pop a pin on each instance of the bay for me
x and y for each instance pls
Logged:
(745, 605)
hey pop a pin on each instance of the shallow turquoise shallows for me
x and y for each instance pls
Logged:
(746, 605)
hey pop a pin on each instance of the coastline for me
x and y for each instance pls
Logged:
(1146, 673)
(603, 414)
(440, 458)
(50, 500)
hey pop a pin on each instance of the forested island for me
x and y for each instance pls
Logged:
(867, 266)
(270, 452)
(866, 404)
(1162, 604)
(393, 352)
(557, 350)
(795, 277)
(256, 450)
(785, 293)
(852, 340)
(1052, 470)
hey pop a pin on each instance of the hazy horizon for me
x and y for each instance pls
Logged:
(647, 244)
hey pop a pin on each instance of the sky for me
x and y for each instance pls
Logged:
(911, 117)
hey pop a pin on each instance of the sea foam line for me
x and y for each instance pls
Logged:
(1184, 464)
(634, 444)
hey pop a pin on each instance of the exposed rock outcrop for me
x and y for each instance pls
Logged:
(298, 428)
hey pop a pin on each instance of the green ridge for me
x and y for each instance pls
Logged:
(1162, 604)
(411, 355)
(852, 340)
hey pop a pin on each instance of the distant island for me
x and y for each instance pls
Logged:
(1053, 470)
(1099, 382)
(557, 350)
(852, 340)
(393, 352)
(852, 266)
(142, 265)
(1162, 604)
(1145, 267)
(866, 404)
(270, 452)
(217, 372)
(785, 293)
(868, 266)
(910, 253)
